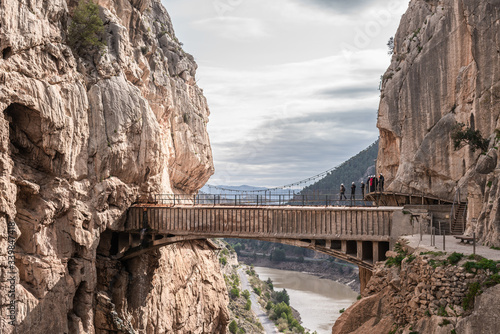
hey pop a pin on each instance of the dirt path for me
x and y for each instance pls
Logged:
(268, 325)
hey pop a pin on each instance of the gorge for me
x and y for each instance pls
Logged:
(86, 134)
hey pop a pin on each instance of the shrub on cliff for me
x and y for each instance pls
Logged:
(86, 28)
(462, 135)
(233, 327)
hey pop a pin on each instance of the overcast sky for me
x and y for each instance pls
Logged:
(292, 85)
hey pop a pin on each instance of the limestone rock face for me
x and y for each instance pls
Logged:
(82, 137)
(419, 297)
(445, 69)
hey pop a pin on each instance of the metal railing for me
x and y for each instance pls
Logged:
(259, 200)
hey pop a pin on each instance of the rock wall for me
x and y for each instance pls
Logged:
(424, 295)
(444, 70)
(82, 137)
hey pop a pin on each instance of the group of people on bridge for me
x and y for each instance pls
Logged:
(372, 184)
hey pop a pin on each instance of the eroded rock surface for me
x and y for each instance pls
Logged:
(82, 137)
(445, 69)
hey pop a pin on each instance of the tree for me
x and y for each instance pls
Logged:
(390, 45)
(86, 28)
(473, 138)
(233, 327)
(282, 296)
(278, 255)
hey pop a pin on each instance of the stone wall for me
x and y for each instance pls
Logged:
(423, 295)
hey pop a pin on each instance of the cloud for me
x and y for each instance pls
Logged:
(341, 5)
(232, 27)
(287, 150)
(347, 92)
(291, 90)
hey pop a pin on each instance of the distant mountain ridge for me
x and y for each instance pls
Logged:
(356, 169)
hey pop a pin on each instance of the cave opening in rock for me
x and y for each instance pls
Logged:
(26, 142)
(7, 52)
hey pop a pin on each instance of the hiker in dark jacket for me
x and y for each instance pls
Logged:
(381, 182)
(353, 191)
(342, 191)
(362, 189)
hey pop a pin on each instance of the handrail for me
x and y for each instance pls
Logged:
(424, 195)
(259, 200)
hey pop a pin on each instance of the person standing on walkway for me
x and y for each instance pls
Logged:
(381, 182)
(362, 190)
(342, 191)
(353, 191)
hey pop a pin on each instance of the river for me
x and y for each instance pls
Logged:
(317, 300)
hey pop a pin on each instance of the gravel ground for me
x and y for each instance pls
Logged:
(451, 245)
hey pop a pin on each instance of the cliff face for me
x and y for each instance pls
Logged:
(445, 69)
(423, 297)
(81, 139)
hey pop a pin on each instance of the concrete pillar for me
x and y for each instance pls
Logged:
(364, 277)
(343, 244)
(375, 252)
(360, 250)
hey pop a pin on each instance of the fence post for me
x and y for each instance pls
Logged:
(257, 200)
(474, 243)
(174, 199)
(444, 241)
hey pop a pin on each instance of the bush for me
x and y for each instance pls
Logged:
(454, 258)
(269, 305)
(270, 283)
(246, 294)
(233, 327)
(234, 293)
(281, 308)
(248, 305)
(86, 28)
(258, 291)
(223, 260)
(474, 290)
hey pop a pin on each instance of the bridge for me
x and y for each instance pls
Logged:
(358, 234)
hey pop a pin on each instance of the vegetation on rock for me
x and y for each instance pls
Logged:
(463, 135)
(86, 28)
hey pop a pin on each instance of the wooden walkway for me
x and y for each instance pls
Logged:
(360, 235)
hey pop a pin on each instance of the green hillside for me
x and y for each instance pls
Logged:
(353, 170)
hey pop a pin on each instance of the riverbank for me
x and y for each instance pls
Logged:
(338, 272)
(318, 301)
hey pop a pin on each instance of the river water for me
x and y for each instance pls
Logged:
(317, 300)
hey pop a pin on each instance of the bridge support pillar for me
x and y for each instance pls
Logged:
(359, 253)
(375, 252)
(364, 277)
